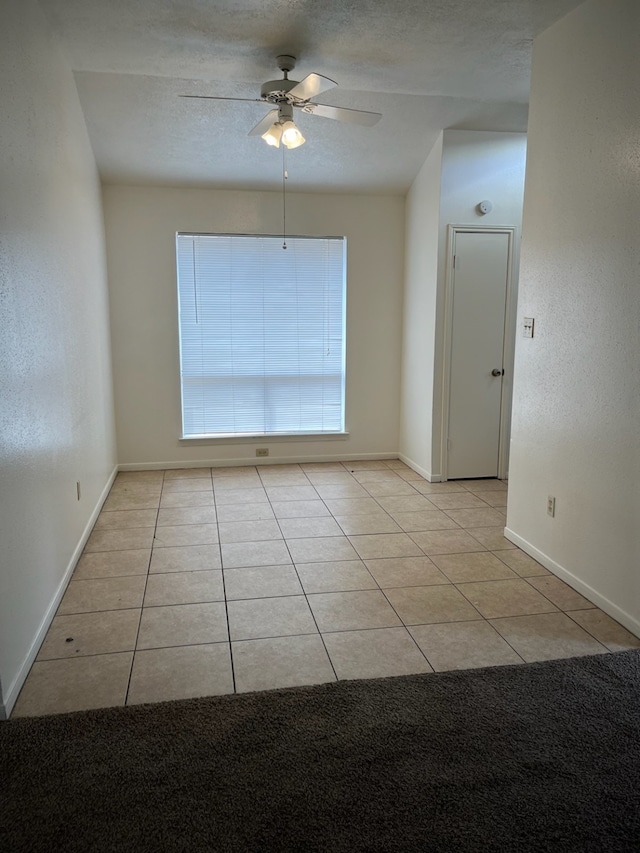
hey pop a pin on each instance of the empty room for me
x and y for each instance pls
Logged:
(318, 422)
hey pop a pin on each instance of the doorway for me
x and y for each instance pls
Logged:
(477, 362)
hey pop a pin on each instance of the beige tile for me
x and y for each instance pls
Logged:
(605, 629)
(199, 484)
(179, 535)
(439, 488)
(321, 466)
(180, 673)
(396, 465)
(406, 503)
(107, 564)
(353, 506)
(338, 576)
(123, 488)
(187, 473)
(377, 476)
(457, 500)
(376, 653)
(140, 477)
(495, 599)
(560, 593)
(261, 582)
(113, 593)
(91, 634)
(186, 499)
(379, 522)
(324, 478)
(421, 605)
(247, 554)
(270, 617)
(244, 512)
(240, 496)
(411, 476)
(280, 662)
(332, 491)
(187, 515)
(482, 566)
(74, 684)
(485, 485)
(190, 558)
(251, 481)
(463, 645)
(287, 478)
(492, 538)
(349, 611)
(446, 542)
(546, 637)
(292, 493)
(497, 497)
(299, 509)
(365, 465)
(321, 549)
(183, 625)
(303, 528)
(232, 470)
(385, 545)
(119, 520)
(475, 517)
(433, 519)
(522, 564)
(390, 488)
(405, 571)
(183, 588)
(120, 540)
(249, 531)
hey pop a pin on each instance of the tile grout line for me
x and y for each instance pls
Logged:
(144, 592)
(224, 587)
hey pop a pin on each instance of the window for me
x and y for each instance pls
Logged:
(262, 343)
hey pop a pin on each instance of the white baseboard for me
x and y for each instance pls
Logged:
(268, 460)
(431, 478)
(621, 616)
(23, 672)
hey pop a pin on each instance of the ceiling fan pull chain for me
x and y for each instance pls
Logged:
(284, 199)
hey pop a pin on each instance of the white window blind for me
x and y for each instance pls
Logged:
(262, 344)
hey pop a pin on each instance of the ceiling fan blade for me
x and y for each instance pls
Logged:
(342, 114)
(216, 98)
(264, 124)
(311, 86)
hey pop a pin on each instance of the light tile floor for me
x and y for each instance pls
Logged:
(207, 581)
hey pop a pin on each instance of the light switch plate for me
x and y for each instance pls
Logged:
(527, 328)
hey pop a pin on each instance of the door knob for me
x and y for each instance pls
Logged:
(497, 372)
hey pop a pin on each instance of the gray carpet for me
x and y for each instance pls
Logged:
(538, 757)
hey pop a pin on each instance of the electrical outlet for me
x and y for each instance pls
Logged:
(262, 451)
(551, 506)
(78, 489)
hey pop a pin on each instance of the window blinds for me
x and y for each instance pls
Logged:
(262, 344)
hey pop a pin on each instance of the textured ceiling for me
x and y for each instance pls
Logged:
(425, 65)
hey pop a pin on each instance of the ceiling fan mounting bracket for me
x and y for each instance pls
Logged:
(286, 63)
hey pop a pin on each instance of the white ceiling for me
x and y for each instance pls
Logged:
(425, 65)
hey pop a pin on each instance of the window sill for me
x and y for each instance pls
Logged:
(263, 439)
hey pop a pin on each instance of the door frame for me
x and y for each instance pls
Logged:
(508, 346)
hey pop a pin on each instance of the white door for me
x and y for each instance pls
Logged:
(479, 289)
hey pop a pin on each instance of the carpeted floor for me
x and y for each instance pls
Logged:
(538, 757)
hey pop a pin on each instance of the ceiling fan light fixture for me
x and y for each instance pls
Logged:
(291, 136)
(273, 135)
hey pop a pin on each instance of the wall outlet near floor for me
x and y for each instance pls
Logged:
(551, 506)
(262, 451)
(78, 489)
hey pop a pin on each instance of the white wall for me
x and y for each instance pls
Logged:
(464, 168)
(577, 385)
(420, 300)
(141, 224)
(56, 421)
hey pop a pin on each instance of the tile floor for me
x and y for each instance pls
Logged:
(207, 581)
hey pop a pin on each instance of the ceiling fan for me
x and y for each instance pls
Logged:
(286, 95)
